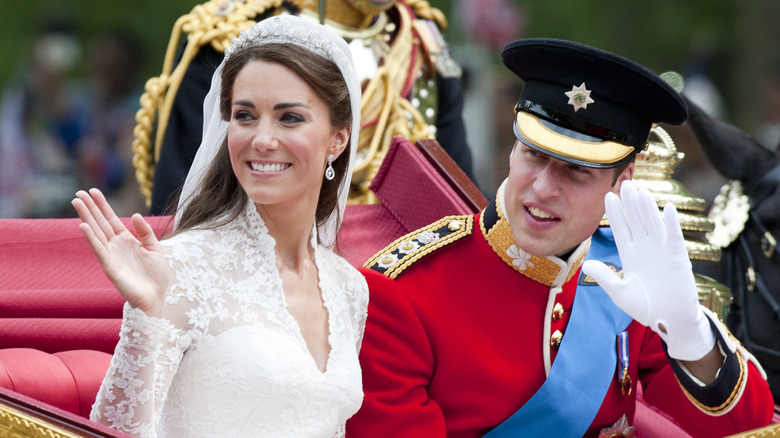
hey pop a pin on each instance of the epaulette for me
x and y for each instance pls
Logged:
(396, 257)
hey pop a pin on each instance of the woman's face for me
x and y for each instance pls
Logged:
(280, 135)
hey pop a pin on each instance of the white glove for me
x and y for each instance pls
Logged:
(657, 288)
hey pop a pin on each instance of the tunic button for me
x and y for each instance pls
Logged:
(555, 339)
(557, 312)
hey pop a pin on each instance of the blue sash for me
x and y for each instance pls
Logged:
(584, 367)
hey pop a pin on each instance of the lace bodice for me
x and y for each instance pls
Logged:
(227, 358)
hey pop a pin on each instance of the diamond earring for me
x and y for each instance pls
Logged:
(329, 172)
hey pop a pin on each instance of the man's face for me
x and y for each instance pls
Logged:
(553, 205)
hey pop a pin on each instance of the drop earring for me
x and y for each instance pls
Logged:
(329, 172)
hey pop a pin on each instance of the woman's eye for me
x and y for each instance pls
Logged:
(291, 118)
(242, 115)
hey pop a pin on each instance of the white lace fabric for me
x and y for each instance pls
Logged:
(227, 358)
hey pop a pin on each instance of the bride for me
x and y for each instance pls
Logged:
(244, 322)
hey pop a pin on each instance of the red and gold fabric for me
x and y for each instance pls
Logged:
(464, 336)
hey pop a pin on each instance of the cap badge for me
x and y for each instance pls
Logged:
(579, 97)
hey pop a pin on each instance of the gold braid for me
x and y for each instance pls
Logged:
(384, 112)
(423, 9)
(215, 22)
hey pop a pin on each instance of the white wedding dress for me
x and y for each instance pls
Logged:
(227, 358)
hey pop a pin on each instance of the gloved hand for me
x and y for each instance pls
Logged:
(658, 288)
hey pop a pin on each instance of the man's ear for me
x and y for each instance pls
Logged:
(626, 174)
(514, 148)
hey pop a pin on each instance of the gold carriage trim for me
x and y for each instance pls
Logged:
(15, 423)
(402, 253)
(771, 431)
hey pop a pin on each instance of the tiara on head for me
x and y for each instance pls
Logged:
(288, 29)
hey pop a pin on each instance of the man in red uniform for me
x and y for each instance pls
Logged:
(528, 319)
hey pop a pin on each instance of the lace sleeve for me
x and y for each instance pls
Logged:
(361, 309)
(353, 289)
(144, 362)
(356, 290)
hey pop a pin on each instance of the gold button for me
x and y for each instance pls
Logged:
(454, 225)
(557, 312)
(555, 339)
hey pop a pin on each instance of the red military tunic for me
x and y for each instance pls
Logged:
(458, 338)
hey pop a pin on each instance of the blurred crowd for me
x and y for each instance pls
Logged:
(67, 114)
(66, 122)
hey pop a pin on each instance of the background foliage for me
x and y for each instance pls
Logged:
(743, 36)
(152, 20)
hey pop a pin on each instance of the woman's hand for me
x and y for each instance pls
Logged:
(136, 266)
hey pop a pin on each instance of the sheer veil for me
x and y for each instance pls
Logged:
(278, 29)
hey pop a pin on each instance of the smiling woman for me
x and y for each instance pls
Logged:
(278, 96)
(244, 322)
(279, 139)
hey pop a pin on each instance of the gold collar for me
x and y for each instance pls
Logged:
(545, 270)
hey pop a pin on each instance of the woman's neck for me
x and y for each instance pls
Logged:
(291, 229)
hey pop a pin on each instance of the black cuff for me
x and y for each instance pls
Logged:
(720, 395)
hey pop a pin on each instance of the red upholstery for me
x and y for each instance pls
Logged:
(415, 185)
(413, 197)
(55, 296)
(59, 314)
(61, 334)
(365, 230)
(651, 422)
(68, 380)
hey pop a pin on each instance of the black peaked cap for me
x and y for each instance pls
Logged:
(628, 98)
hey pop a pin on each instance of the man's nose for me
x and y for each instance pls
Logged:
(548, 182)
